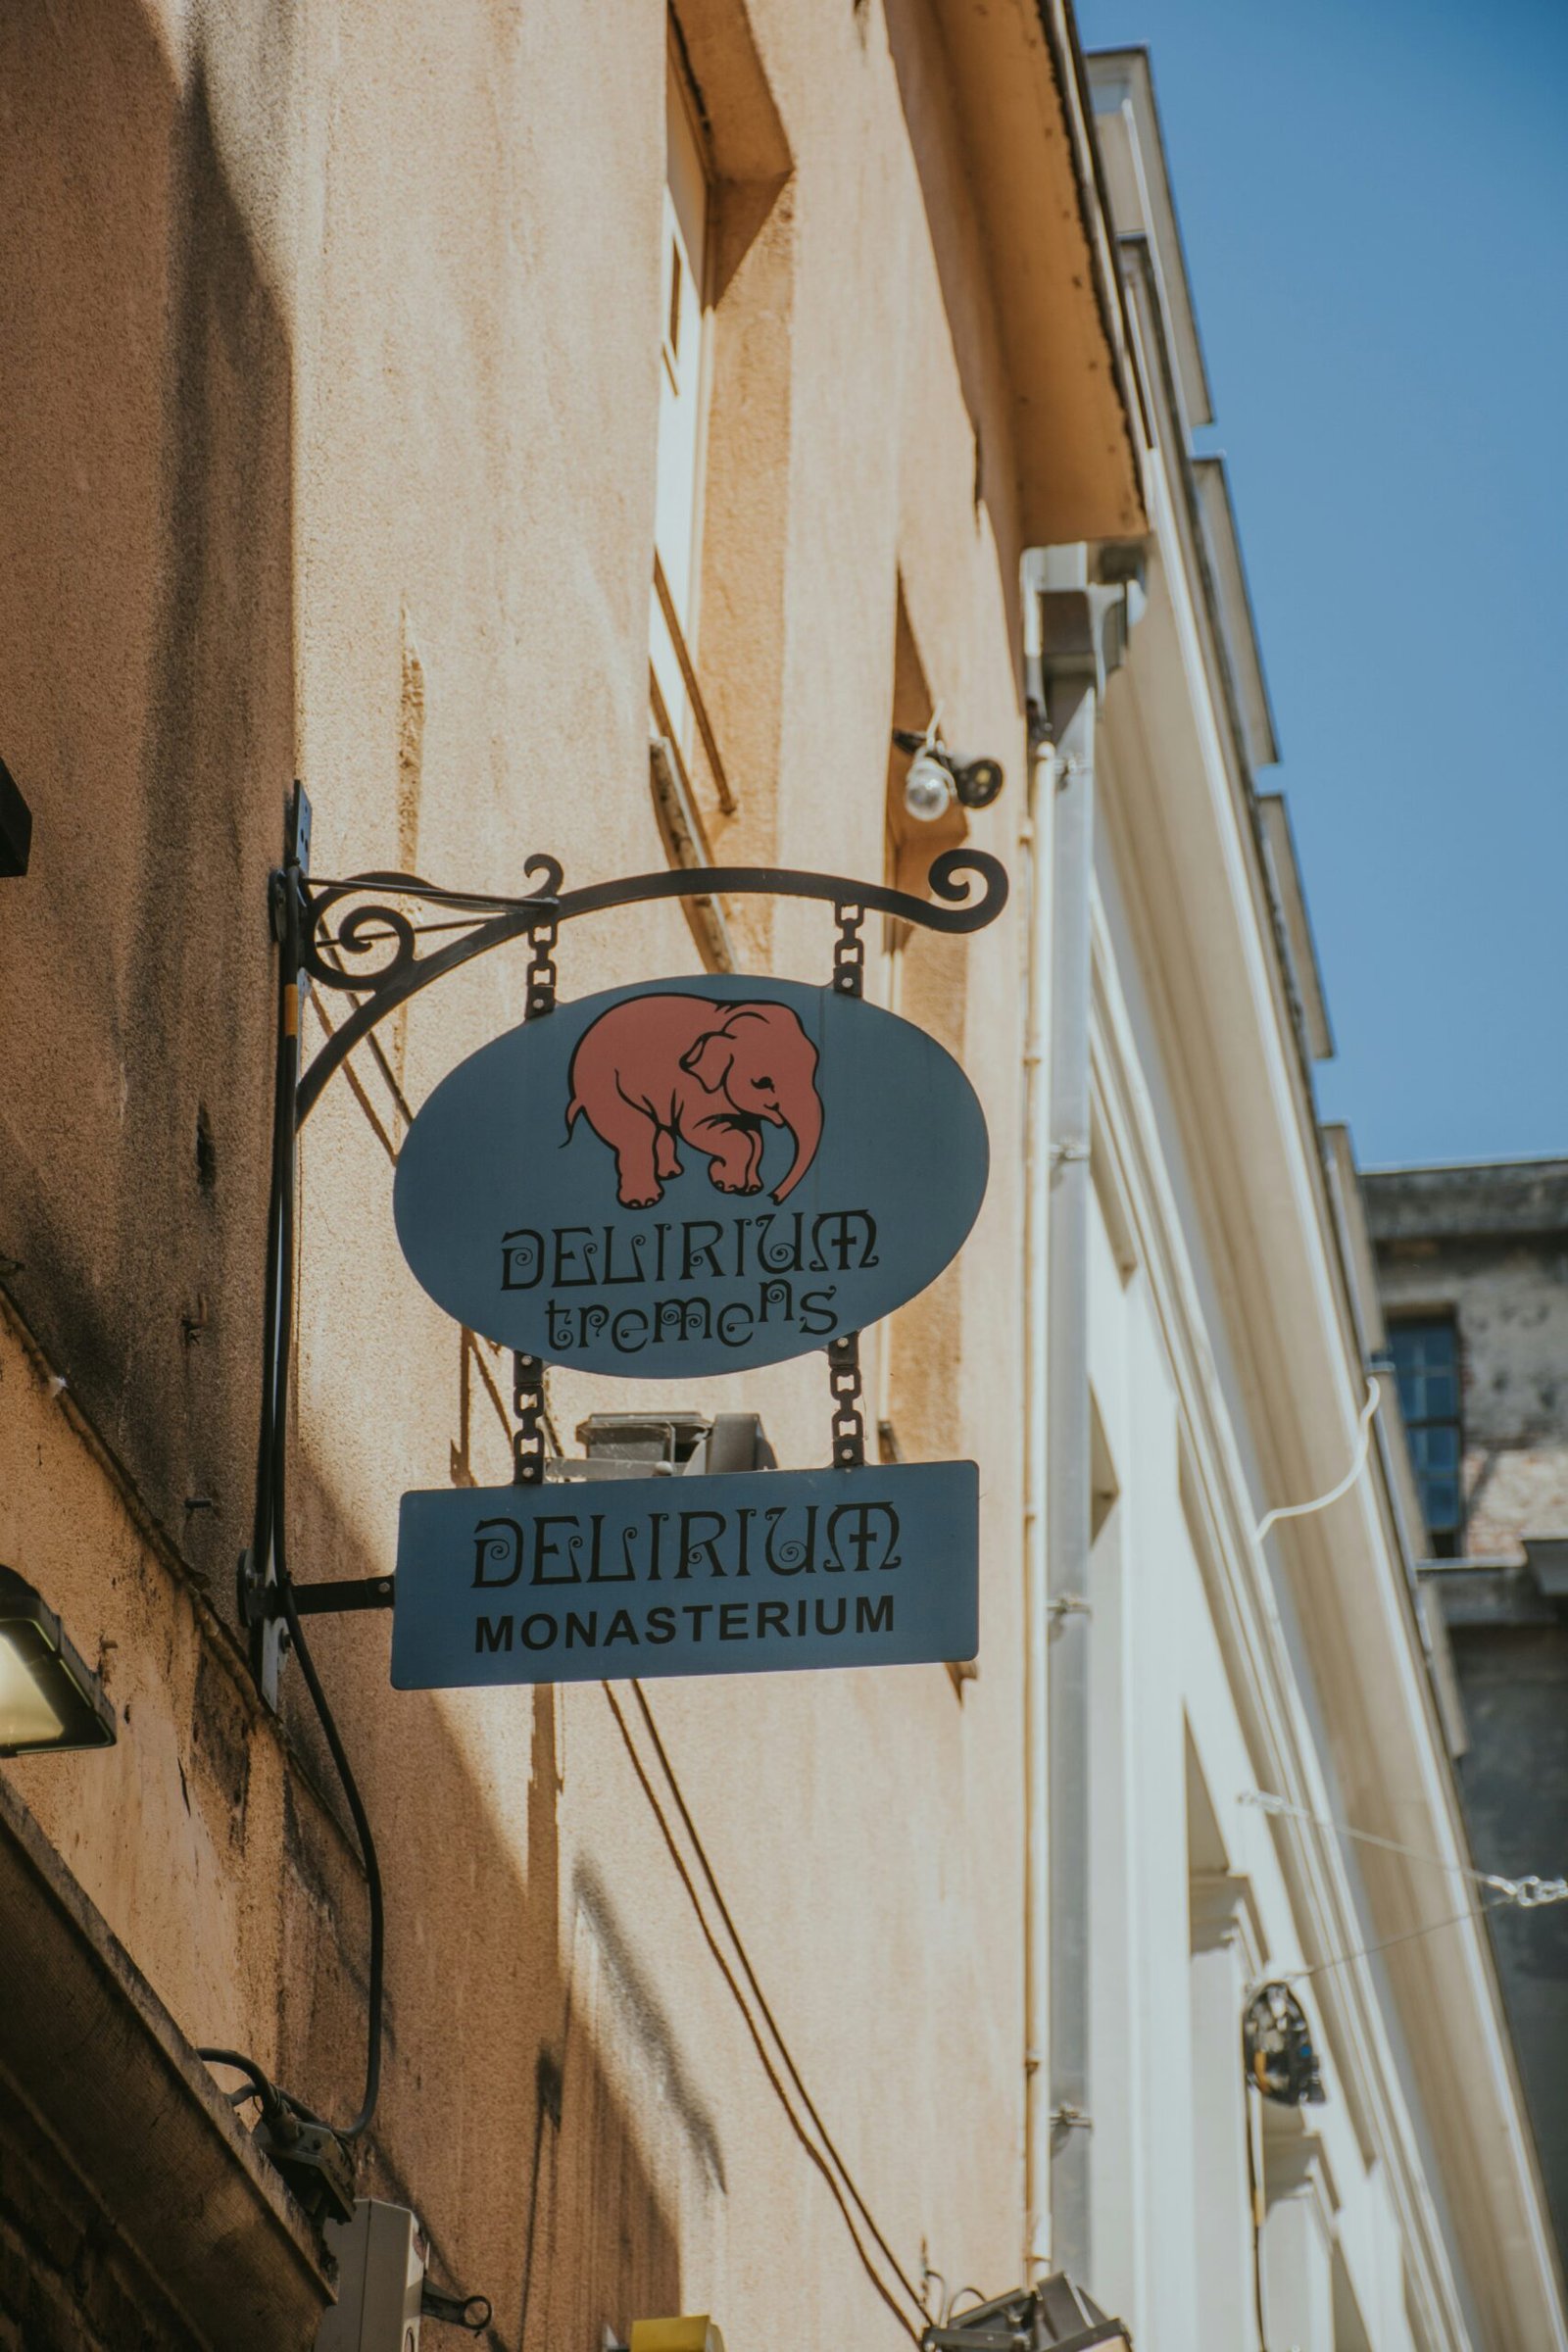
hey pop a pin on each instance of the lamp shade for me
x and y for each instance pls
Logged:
(1277, 2045)
(49, 1696)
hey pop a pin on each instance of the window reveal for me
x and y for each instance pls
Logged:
(672, 617)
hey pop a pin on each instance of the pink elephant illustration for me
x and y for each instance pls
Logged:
(655, 1071)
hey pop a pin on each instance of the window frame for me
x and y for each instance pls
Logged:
(1447, 1540)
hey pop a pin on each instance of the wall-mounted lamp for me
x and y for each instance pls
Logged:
(1277, 2048)
(939, 777)
(49, 1696)
(16, 826)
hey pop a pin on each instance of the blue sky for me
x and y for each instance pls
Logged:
(1374, 203)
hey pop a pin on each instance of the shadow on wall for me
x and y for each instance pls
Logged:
(965, 273)
(532, 2085)
(146, 704)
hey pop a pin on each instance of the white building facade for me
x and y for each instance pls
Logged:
(1229, 1316)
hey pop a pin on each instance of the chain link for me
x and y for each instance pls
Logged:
(541, 968)
(848, 1422)
(848, 950)
(528, 1438)
(528, 1371)
(843, 1352)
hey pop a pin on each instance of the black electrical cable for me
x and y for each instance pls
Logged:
(269, 1536)
(262, 2086)
(288, 1060)
(1255, 2196)
(866, 2215)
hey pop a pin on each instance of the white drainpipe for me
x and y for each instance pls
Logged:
(1037, 1186)
(1075, 633)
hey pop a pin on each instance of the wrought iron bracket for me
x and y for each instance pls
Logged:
(260, 1597)
(342, 923)
(332, 1597)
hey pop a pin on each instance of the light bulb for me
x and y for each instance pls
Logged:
(927, 788)
(26, 1718)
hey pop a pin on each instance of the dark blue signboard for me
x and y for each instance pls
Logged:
(743, 1574)
(691, 1176)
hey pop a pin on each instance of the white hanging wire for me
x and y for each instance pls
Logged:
(1299, 1975)
(1529, 1893)
(1303, 1510)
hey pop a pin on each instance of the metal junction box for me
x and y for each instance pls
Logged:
(381, 2257)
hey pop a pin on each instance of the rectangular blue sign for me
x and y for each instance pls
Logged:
(752, 1572)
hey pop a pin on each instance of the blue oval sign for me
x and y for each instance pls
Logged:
(691, 1176)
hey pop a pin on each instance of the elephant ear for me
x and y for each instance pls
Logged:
(710, 1060)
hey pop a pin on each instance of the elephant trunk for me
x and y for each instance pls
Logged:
(804, 1119)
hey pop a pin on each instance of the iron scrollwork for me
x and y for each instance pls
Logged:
(343, 923)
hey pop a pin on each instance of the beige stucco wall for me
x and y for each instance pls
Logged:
(331, 392)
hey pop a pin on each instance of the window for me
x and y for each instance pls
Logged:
(718, 336)
(1426, 1360)
(683, 325)
(678, 716)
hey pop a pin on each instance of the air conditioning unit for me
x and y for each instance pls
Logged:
(383, 2292)
(664, 1445)
(380, 2282)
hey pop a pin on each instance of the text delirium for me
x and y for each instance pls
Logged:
(672, 1267)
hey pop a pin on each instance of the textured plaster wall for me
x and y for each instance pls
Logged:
(145, 692)
(330, 389)
(180, 1827)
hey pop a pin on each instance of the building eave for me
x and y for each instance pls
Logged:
(1306, 976)
(1474, 1200)
(1120, 79)
(86, 2046)
(1021, 98)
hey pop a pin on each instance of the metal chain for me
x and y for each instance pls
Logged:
(528, 1371)
(541, 968)
(848, 950)
(848, 1422)
(843, 1352)
(528, 1438)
